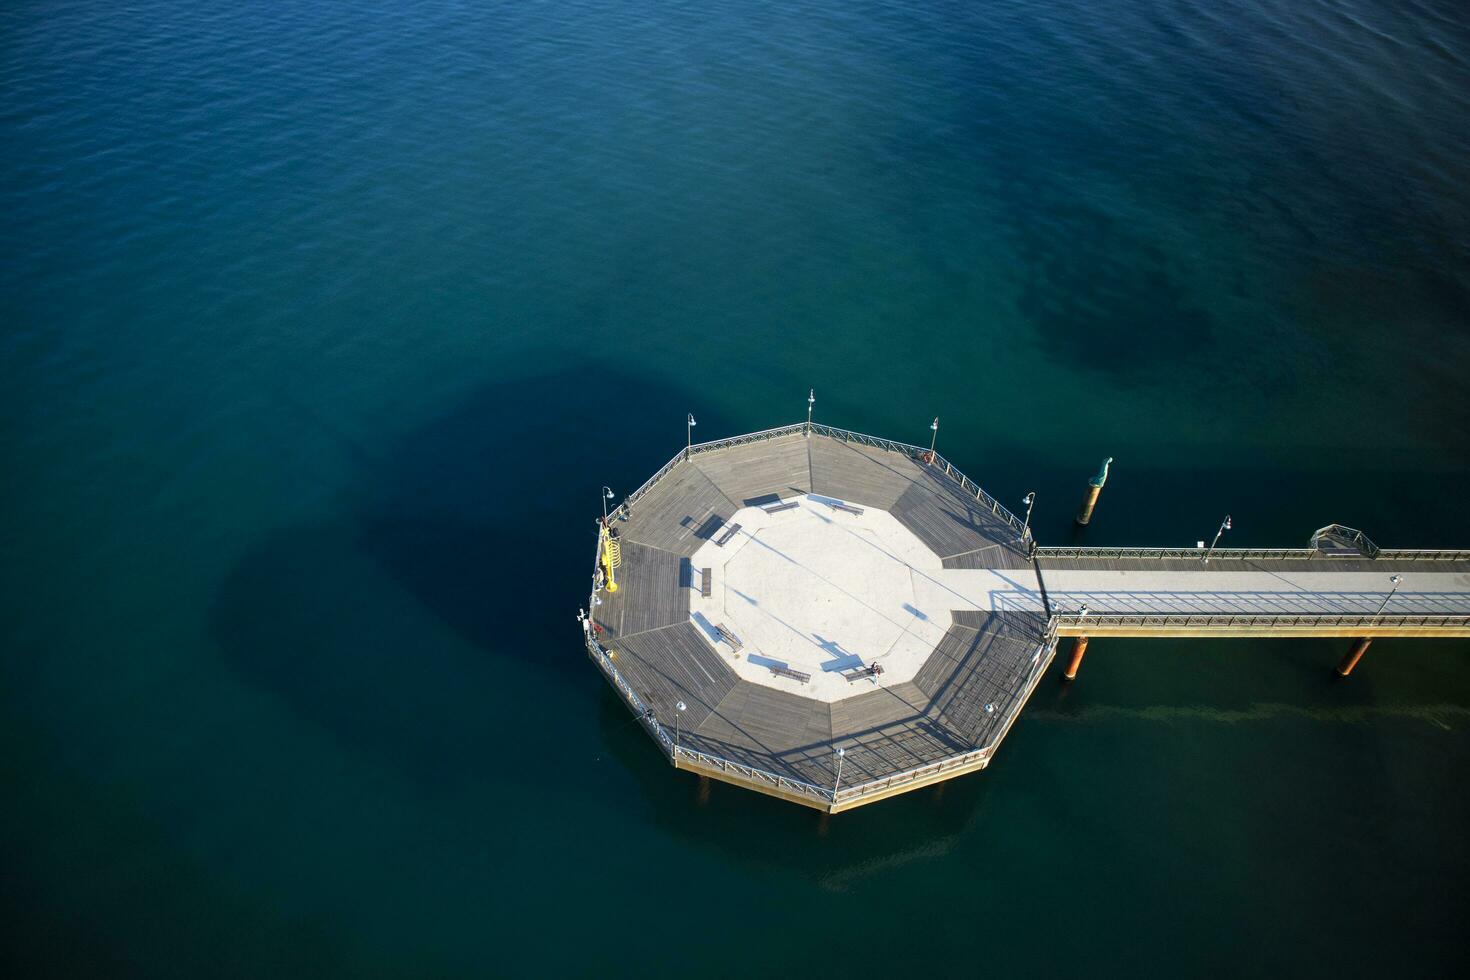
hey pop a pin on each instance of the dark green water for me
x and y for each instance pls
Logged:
(321, 325)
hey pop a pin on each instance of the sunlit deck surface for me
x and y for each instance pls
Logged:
(945, 691)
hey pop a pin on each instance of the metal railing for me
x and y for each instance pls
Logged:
(935, 460)
(1245, 554)
(751, 774)
(1040, 661)
(1248, 621)
(917, 453)
(822, 795)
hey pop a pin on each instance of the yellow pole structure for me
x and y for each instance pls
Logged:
(612, 557)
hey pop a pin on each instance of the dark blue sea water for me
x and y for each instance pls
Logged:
(322, 323)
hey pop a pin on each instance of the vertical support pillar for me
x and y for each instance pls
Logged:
(1353, 656)
(1079, 647)
(1089, 501)
(1094, 487)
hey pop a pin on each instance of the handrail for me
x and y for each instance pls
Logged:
(847, 435)
(1245, 554)
(932, 459)
(755, 775)
(1305, 620)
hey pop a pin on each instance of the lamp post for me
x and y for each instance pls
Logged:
(934, 428)
(1224, 526)
(1029, 501)
(679, 706)
(1395, 579)
(811, 399)
(838, 782)
(607, 495)
(689, 435)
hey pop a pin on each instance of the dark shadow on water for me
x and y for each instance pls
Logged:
(481, 522)
(1103, 297)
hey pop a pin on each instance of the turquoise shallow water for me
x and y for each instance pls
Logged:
(320, 326)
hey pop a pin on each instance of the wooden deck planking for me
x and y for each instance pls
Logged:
(680, 512)
(972, 668)
(878, 708)
(861, 474)
(994, 556)
(650, 592)
(673, 664)
(952, 522)
(754, 473)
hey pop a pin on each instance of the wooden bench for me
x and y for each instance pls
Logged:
(777, 508)
(706, 581)
(795, 675)
(849, 508)
(730, 532)
(727, 636)
(862, 672)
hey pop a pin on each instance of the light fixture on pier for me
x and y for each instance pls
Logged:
(1224, 526)
(607, 495)
(1395, 579)
(838, 782)
(679, 706)
(1030, 501)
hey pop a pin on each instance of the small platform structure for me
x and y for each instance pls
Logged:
(820, 555)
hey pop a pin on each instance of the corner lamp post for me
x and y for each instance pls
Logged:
(607, 495)
(1029, 501)
(838, 782)
(933, 439)
(811, 400)
(1224, 526)
(689, 435)
(680, 706)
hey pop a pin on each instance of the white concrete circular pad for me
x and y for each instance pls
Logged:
(807, 596)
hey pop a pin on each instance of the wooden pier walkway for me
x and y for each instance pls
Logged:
(993, 603)
(1131, 592)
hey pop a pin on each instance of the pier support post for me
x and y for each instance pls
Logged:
(1094, 488)
(1079, 647)
(1353, 656)
(1089, 501)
